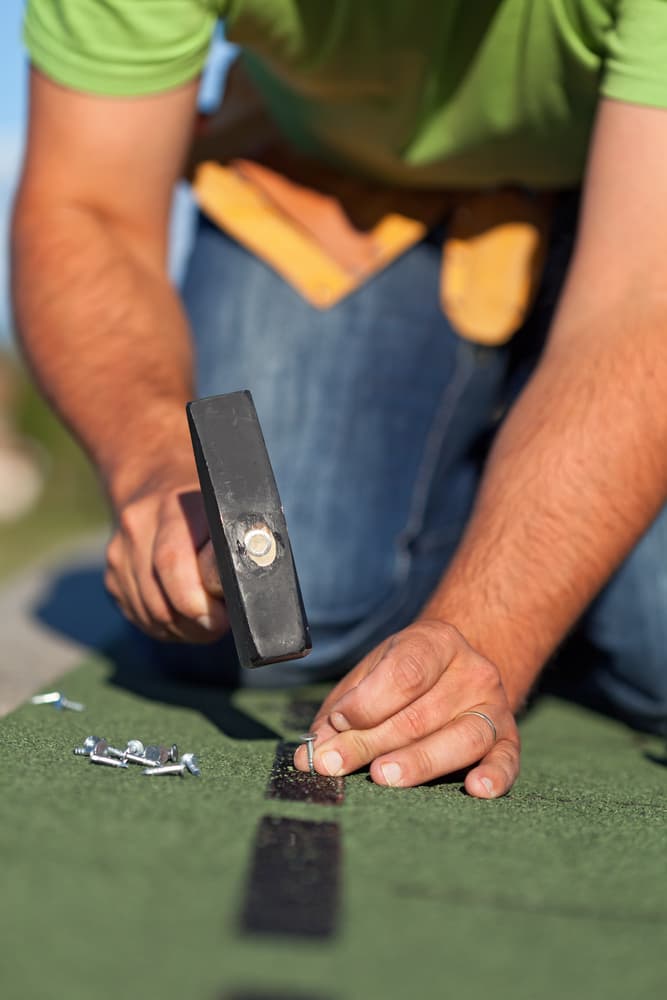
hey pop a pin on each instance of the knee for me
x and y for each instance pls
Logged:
(627, 629)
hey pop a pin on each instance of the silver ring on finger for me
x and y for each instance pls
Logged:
(481, 715)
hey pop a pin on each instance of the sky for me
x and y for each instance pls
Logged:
(12, 115)
(12, 119)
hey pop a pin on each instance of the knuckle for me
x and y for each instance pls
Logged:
(166, 558)
(487, 672)
(408, 672)
(160, 615)
(113, 554)
(111, 584)
(359, 744)
(411, 722)
(422, 765)
(129, 521)
(434, 634)
(476, 738)
(449, 634)
(512, 736)
(355, 708)
(507, 753)
(507, 772)
(484, 680)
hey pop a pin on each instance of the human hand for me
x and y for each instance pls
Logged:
(405, 709)
(160, 564)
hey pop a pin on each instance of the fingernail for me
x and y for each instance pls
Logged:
(206, 622)
(339, 722)
(487, 784)
(333, 762)
(391, 773)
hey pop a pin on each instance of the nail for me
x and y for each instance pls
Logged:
(391, 773)
(487, 784)
(309, 739)
(339, 722)
(49, 698)
(333, 762)
(206, 622)
(109, 761)
(178, 769)
(190, 761)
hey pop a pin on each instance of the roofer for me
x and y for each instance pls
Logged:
(467, 455)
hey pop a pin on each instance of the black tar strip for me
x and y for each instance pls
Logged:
(290, 785)
(294, 884)
(299, 714)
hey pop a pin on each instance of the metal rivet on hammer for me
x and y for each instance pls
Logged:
(260, 544)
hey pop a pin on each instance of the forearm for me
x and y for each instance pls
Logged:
(106, 337)
(575, 477)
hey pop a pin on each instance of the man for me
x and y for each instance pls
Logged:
(377, 410)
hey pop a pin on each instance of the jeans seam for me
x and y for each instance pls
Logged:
(423, 482)
(433, 451)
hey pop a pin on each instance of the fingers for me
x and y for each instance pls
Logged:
(409, 665)
(208, 570)
(349, 751)
(400, 760)
(496, 773)
(174, 566)
(422, 705)
(352, 679)
(463, 742)
(120, 583)
(342, 753)
(154, 574)
(321, 724)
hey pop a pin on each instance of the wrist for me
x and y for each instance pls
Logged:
(154, 455)
(504, 641)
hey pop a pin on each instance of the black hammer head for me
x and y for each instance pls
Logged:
(248, 530)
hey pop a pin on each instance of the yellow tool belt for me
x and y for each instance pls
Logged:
(327, 232)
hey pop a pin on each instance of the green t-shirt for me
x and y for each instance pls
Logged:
(421, 92)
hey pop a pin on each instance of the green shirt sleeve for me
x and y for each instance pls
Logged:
(119, 47)
(636, 63)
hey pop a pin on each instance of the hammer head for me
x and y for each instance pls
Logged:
(248, 530)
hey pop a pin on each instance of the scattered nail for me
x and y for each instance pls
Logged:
(138, 758)
(87, 747)
(49, 698)
(155, 759)
(58, 700)
(73, 706)
(190, 761)
(156, 754)
(109, 761)
(169, 769)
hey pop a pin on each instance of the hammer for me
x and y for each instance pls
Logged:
(248, 530)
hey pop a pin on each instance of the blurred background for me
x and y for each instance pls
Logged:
(47, 492)
(49, 496)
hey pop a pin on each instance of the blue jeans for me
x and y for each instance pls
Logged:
(378, 418)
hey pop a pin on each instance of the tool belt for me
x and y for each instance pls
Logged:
(326, 232)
